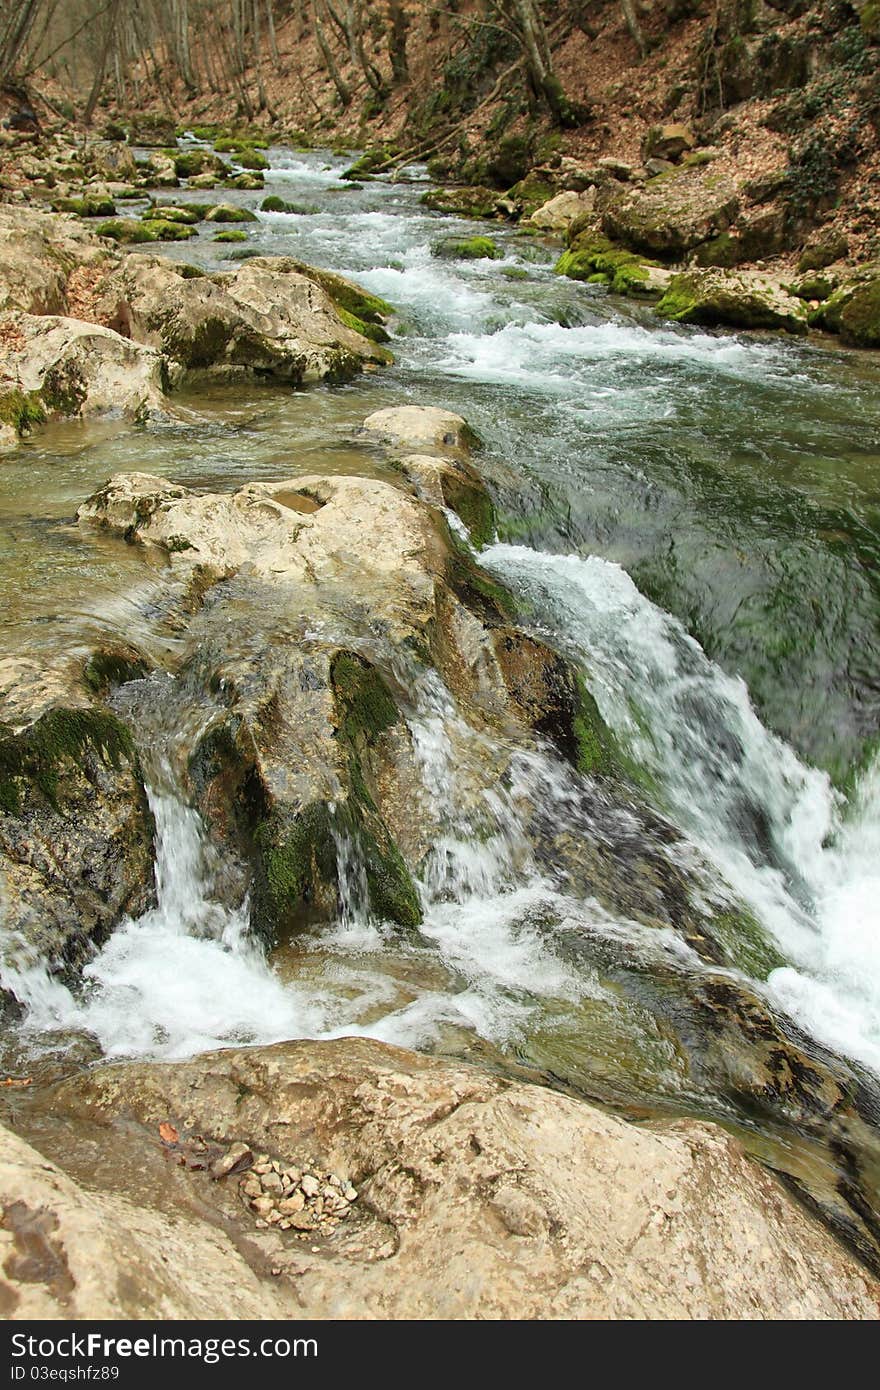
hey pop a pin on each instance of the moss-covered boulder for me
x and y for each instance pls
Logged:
(224, 212)
(474, 248)
(275, 204)
(531, 193)
(230, 236)
(736, 299)
(670, 214)
(151, 130)
(859, 319)
(88, 206)
(76, 833)
(134, 232)
(163, 212)
(268, 316)
(249, 181)
(596, 260)
(463, 202)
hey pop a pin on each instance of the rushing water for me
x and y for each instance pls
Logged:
(692, 517)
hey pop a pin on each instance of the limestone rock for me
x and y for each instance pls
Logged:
(76, 833)
(111, 159)
(266, 316)
(670, 214)
(64, 368)
(484, 1198)
(738, 298)
(559, 213)
(419, 427)
(667, 141)
(38, 251)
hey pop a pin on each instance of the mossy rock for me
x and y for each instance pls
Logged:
(22, 410)
(532, 192)
(275, 204)
(189, 164)
(723, 250)
(463, 202)
(236, 144)
(247, 182)
(369, 308)
(109, 667)
(185, 216)
(230, 235)
(251, 159)
(830, 248)
(816, 287)
(475, 248)
(860, 317)
(224, 212)
(597, 260)
(38, 761)
(369, 162)
(374, 331)
(723, 298)
(129, 231)
(468, 498)
(86, 206)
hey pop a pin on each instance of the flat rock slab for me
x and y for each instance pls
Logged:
(479, 1198)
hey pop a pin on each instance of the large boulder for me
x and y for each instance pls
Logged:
(853, 310)
(112, 160)
(670, 214)
(38, 251)
(62, 368)
(266, 316)
(732, 298)
(477, 1197)
(76, 832)
(557, 215)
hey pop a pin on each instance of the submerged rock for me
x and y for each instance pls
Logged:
(479, 1197)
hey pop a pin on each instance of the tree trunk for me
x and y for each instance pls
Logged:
(634, 27)
(101, 68)
(533, 36)
(398, 24)
(342, 87)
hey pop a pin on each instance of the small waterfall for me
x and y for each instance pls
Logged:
(776, 829)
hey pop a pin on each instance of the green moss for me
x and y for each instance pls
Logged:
(723, 250)
(369, 308)
(107, 668)
(22, 410)
(472, 504)
(869, 18)
(514, 272)
(813, 287)
(860, 317)
(373, 331)
(365, 709)
(464, 202)
(126, 229)
(36, 760)
(248, 180)
(597, 260)
(231, 236)
(745, 943)
(224, 213)
(475, 248)
(251, 159)
(240, 144)
(533, 192)
(596, 745)
(364, 703)
(275, 204)
(86, 207)
(491, 601)
(187, 216)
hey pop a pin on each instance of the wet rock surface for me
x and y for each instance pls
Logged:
(475, 1197)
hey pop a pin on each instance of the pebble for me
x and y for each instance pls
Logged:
(292, 1198)
(234, 1155)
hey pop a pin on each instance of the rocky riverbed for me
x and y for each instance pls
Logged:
(328, 765)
